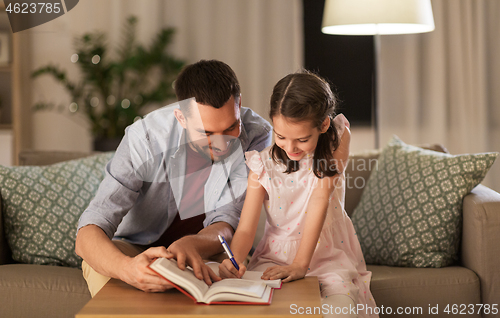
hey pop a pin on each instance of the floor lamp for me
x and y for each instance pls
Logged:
(377, 17)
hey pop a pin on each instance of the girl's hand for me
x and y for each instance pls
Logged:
(227, 270)
(287, 273)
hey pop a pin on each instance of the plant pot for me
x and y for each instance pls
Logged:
(106, 144)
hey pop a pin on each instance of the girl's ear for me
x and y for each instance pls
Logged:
(180, 117)
(325, 125)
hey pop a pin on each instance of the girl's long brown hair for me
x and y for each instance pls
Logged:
(305, 96)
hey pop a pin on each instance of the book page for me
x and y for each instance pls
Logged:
(183, 278)
(229, 297)
(237, 286)
(249, 275)
(256, 276)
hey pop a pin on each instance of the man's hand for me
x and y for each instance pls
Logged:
(227, 270)
(287, 273)
(136, 272)
(107, 259)
(184, 250)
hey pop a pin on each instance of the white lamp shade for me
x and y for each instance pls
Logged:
(370, 17)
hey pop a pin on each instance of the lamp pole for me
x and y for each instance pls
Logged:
(375, 116)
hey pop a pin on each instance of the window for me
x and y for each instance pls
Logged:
(346, 61)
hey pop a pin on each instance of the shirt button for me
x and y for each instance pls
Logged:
(149, 242)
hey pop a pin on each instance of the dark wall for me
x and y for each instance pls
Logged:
(346, 61)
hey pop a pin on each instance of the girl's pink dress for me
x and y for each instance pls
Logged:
(338, 260)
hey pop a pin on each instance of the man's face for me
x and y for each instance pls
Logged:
(212, 131)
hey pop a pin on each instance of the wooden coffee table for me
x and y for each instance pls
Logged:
(117, 299)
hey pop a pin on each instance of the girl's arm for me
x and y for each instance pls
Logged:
(317, 207)
(247, 227)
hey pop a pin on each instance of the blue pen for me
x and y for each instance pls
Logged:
(228, 251)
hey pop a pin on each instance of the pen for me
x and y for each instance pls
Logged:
(228, 251)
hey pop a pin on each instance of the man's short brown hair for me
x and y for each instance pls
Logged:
(210, 82)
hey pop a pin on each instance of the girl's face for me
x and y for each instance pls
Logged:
(297, 139)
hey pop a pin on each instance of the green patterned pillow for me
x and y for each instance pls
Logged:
(42, 204)
(410, 212)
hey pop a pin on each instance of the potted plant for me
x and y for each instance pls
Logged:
(114, 92)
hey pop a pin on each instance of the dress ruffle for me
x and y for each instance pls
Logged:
(255, 161)
(341, 154)
(340, 124)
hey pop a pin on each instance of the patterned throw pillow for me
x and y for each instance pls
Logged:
(42, 204)
(410, 212)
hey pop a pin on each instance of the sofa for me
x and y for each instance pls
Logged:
(54, 291)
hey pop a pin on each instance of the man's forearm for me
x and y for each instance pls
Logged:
(206, 241)
(94, 246)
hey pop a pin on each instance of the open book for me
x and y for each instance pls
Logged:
(226, 291)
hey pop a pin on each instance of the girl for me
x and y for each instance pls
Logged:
(300, 180)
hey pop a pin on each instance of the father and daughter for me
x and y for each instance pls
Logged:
(163, 195)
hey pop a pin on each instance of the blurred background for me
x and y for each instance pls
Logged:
(437, 87)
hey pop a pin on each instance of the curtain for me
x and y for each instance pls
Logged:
(260, 39)
(439, 87)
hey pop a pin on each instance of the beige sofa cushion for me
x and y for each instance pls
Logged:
(43, 158)
(26, 290)
(424, 288)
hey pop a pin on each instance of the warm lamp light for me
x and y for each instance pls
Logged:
(377, 17)
(370, 17)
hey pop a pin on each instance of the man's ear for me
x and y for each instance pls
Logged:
(180, 117)
(239, 101)
(325, 125)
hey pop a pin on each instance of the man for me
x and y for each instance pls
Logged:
(176, 181)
